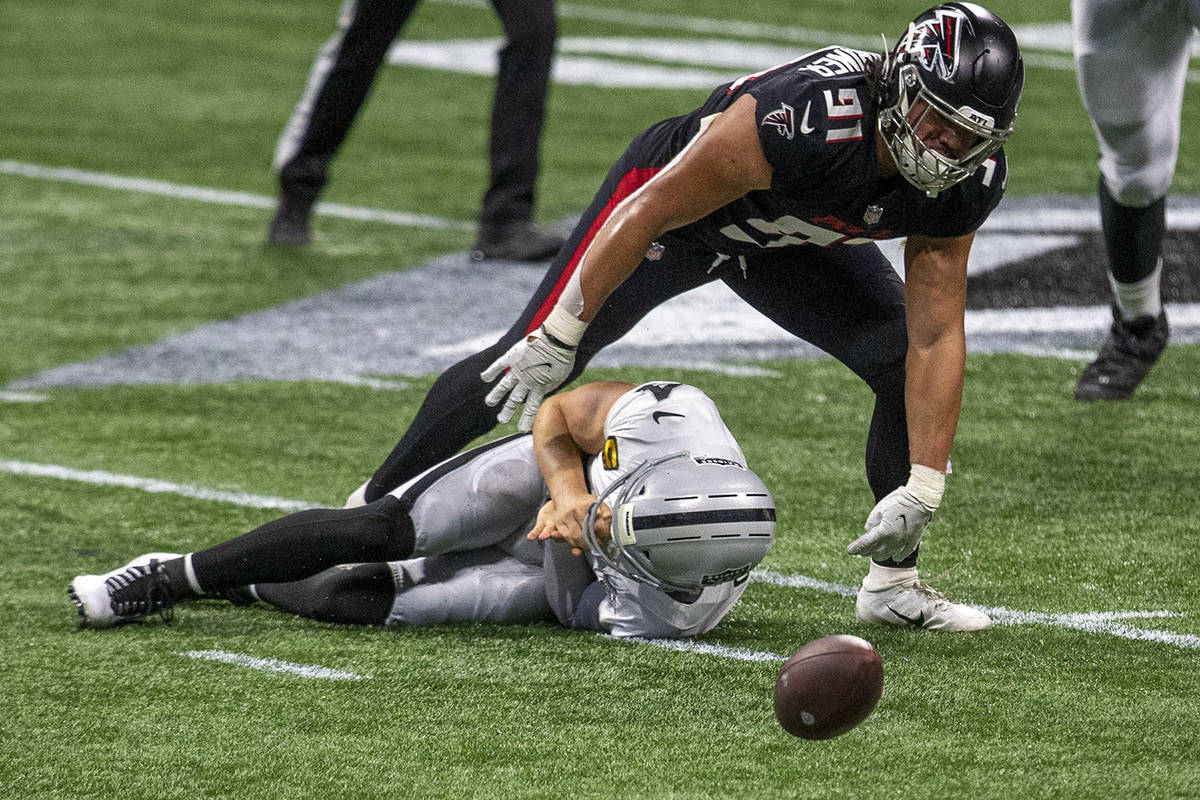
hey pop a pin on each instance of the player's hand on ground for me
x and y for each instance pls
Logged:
(536, 366)
(893, 528)
(565, 521)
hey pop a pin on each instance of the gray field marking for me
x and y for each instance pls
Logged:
(421, 321)
(1104, 622)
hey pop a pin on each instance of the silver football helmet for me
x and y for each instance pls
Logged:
(962, 62)
(681, 523)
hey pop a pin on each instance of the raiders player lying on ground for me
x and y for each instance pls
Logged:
(474, 538)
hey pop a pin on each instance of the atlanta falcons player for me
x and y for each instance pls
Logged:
(1131, 59)
(779, 185)
(474, 539)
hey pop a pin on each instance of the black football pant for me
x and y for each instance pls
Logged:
(846, 300)
(346, 68)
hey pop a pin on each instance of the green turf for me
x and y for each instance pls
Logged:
(1054, 507)
(1023, 710)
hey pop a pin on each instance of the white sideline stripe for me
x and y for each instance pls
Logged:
(220, 196)
(101, 478)
(1090, 622)
(274, 665)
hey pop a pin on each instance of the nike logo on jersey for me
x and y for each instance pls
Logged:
(658, 415)
(916, 622)
(783, 119)
(805, 128)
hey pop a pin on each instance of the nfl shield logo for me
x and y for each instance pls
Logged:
(873, 214)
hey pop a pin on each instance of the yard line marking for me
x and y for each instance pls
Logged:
(707, 648)
(102, 478)
(22, 397)
(1053, 36)
(220, 196)
(1090, 622)
(274, 665)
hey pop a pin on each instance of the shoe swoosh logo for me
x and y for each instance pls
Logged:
(916, 622)
(804, 126)
(658, 415)
(546, 364)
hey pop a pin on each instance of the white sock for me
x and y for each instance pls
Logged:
(1139, 299)
(191, 575)
(880, 577)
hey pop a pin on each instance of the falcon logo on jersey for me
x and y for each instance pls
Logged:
(935, 41)
(783, 119)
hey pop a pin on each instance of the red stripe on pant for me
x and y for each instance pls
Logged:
(630, 182)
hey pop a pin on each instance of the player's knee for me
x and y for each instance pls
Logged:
(385, 528)
(513, 483)
(1140, 187)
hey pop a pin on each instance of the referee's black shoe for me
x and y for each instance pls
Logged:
(289, 227)
(520, 241)
(1130, 352)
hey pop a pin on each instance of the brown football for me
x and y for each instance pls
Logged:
(829, 686)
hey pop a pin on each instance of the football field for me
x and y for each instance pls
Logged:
(167, 382)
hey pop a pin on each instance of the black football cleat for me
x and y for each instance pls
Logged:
(519, 242)
(1130, 352)
(289, 227)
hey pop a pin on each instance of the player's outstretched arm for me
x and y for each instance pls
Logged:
(721, 164)
(935, 296)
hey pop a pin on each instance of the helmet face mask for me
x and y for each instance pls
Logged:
(962, 63)
(681, 524)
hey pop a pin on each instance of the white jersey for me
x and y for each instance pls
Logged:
(650, 421)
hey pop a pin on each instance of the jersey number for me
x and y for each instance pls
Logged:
(788, 230)
(846, 110)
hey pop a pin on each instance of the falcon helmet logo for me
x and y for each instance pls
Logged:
(783, 119)
(934, 42)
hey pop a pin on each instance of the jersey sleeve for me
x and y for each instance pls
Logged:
(660, 418)
(784, 110)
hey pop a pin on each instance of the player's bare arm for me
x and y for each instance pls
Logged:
(566, 426)
(724, 163)
(935, 297)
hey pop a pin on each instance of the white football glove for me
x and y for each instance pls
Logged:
(893, 527)
(536, 366)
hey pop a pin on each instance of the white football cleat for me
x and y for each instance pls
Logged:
(897, 597)
(92, 594)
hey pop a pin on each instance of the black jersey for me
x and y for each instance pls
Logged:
(817, 127)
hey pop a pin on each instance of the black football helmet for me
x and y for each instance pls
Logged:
(964, 63)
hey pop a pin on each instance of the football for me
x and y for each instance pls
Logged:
(828, 686)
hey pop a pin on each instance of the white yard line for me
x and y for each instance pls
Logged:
(101, 478)
(1054, 38)
(274, 665)
(226, 197)
(22, 397)
(1091, 622)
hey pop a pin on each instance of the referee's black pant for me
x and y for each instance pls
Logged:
(346, 66)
